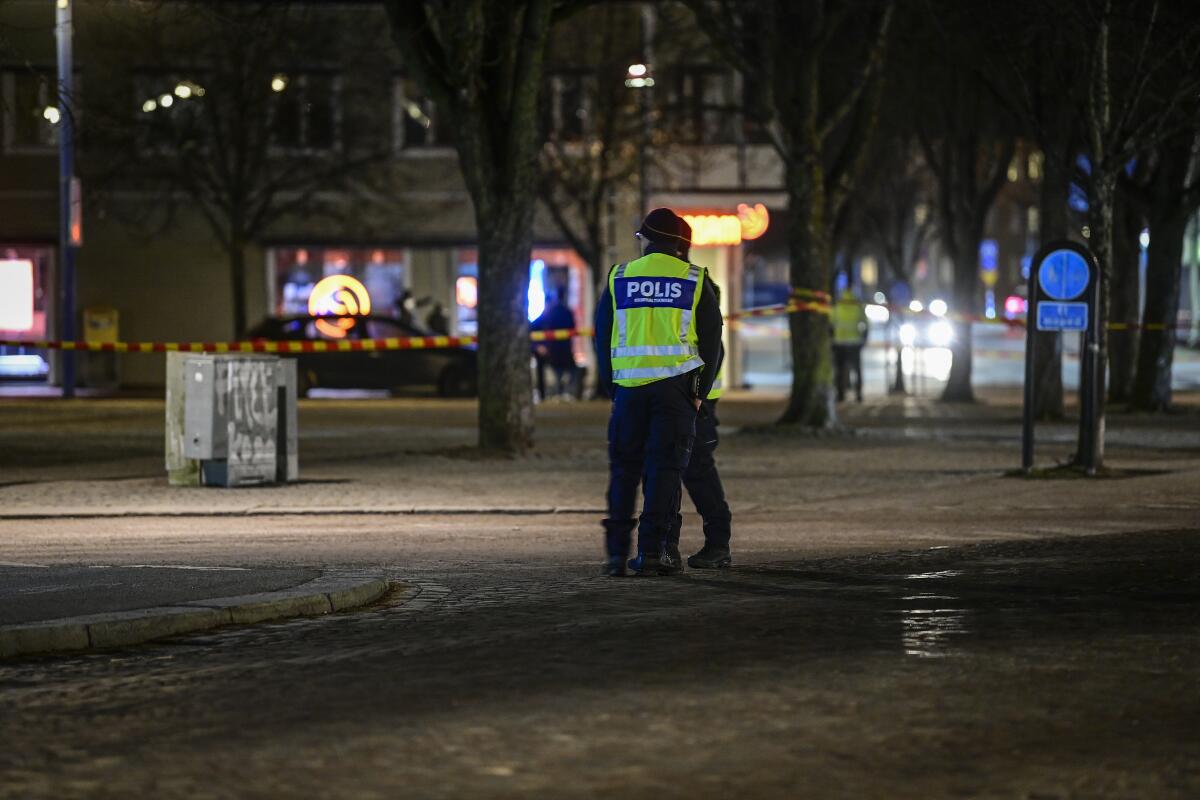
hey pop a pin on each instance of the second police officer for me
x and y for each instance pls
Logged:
(658, 336)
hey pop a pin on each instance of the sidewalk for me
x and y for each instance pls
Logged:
(54, 609)
(395, 482)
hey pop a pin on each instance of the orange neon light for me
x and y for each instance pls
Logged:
(715, 229)
(338, 296)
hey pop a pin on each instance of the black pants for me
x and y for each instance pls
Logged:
(650, 436)
(703, 483)
(847, 358)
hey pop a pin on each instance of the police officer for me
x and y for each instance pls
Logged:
(658, 336)
(849, 335)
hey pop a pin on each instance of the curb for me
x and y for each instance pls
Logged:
(326, 594)
(359, 511)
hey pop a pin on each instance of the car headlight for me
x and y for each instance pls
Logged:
(941, 333)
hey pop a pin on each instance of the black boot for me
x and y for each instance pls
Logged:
(711, 557)
(652, 565)
(614, 567)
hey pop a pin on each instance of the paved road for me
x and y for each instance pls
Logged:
(1050, 668)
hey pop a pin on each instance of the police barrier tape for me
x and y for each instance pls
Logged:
(804, 300)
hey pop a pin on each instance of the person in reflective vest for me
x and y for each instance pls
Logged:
(850, 329)
(658, 337)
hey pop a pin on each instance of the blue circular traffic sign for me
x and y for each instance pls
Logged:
(1063, 274)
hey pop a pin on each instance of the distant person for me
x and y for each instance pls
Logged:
(437, 321)
(557, 354)
(850, 330)
(405, 307)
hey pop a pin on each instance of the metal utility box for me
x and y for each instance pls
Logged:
(240, 419)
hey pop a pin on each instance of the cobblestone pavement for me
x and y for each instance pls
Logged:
(1047, 668)
(902, 620)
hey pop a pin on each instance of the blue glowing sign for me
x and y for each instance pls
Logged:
(537, 288)
(1063, 275)
(988, 251)
(1062, 316)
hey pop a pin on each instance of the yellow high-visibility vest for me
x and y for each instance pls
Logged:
(654, 319)
(849, 320)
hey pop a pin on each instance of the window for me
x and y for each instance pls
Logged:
(31, 113)
(414, 118)
(168, 106)
(306, 111)
(570, 106)
(703, 104)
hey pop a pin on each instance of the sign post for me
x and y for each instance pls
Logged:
(1064, 295)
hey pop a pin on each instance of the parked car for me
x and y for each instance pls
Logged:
(449, 371)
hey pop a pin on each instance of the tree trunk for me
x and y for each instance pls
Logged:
(1052, 217)
(1164, 272)
(898, 386)
(811, 400)
(1101, 219)
(505, 392)
(966, 286)
(1124, 303)
(237, 276)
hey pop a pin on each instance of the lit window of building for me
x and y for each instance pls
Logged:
(28, 101)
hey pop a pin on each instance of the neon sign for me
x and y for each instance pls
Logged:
(711, 229)
(338, 296)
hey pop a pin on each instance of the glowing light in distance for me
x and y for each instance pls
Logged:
(724, 230)
(338, 296)
(1144, 239)
(537, 289)
(166, 101)
(51, 115)
(183, 91)
(941, 333)
(149, 105)
(637, 70)
(466, 291)
(880, 298)
(877, 313)
(938, 307)
(279, 83)
(916, 306)
(16, 295)
(908, 334)
(1014, 306)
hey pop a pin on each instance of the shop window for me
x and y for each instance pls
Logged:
(24, 302)
(305, 111)
(377, 280)
(31, 113)
(414, 118)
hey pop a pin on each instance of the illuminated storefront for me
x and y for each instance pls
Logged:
(414, 284)
(24, 299)
(719, 244)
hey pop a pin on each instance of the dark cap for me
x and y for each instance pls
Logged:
(665, 226)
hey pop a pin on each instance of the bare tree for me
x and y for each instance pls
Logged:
(232, 121)
(818, 65)
(592, 148)
(968, 148)
(1172, 197)
(482, 63)
(1143, 84)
